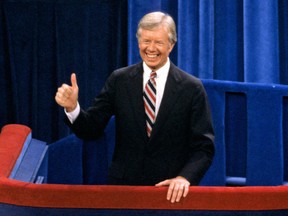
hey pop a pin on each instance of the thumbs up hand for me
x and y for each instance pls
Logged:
(67, 96)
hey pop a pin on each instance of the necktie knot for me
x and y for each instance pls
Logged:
(153, 75)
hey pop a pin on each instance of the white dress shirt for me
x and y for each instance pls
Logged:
(160, 79)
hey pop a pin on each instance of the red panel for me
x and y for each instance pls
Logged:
(12, 138)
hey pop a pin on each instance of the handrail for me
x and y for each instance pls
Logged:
(141, 197)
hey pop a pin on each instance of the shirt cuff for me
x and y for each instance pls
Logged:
(74, 114)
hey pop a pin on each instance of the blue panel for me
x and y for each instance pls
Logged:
(285, 137)
(65, 161)
(31, 161)
(41, 175)
(236, 133)
(264, 153)
(21, 156)
(95, 163)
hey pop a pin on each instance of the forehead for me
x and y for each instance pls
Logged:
(156, 33)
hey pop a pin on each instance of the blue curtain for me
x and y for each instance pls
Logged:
(234, 40)
(42, 42)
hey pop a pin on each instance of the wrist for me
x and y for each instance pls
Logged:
(71, 109)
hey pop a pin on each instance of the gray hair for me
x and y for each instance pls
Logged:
(155, 19)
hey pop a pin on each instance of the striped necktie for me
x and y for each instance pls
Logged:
(149, 96)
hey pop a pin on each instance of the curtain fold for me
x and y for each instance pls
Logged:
(206, 39)
(283, 40)
(42, 42)
(261, 38)
(228, 38)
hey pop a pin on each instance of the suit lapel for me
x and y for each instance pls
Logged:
(172, 88)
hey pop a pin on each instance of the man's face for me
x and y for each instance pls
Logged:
(154, 47)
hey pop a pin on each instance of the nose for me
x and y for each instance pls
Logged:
(151, 46)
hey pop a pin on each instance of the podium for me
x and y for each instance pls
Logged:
(248, 175)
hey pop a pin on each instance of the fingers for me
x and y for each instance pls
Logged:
(176, 191)
(178, 188)
(182, 191)
(163, 183)
(63, 94)
(186, 190)
(170, 192)
(64, 91)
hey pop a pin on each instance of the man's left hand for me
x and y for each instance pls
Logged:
(178, 188)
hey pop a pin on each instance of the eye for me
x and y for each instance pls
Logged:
(160, 43)
(146, 41)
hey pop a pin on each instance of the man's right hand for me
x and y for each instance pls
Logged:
(67, 96)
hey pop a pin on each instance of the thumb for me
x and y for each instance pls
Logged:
(163, 183)
(74, 80)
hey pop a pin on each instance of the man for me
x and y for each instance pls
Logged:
(164, 133)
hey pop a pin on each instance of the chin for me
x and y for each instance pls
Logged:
(152, 66)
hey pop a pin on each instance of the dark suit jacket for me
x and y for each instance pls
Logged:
(182, 140)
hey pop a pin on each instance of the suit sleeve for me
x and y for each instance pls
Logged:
(90, 124)
(201, 138)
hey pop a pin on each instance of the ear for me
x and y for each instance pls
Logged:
(171, 47)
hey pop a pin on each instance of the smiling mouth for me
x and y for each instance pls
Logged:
(152, 55)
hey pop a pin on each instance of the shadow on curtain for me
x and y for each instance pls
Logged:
(42, 42)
